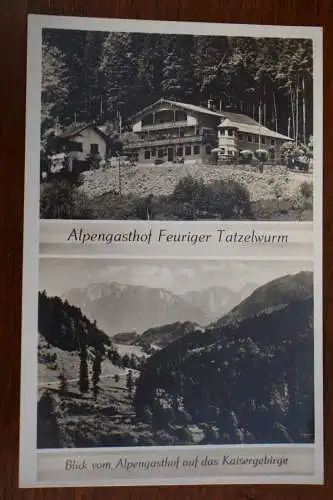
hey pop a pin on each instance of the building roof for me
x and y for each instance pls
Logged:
(182, 105)
(228, 123)
(253, 128)
(76, 129)
(240, 121)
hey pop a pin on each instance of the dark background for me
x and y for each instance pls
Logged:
(12, 137)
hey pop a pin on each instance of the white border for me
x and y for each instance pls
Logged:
(28, 416)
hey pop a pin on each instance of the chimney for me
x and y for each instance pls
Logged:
(57, 128)
(210, 104)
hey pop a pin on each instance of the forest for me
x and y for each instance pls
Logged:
(246, 378)
(105, 77)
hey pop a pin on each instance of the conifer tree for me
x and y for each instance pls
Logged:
(97, 370)
(129, 382)
(84, 376)
(63, 383)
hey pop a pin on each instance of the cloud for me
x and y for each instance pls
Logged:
(59, 275)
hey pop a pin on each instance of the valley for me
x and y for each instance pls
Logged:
(243, 376)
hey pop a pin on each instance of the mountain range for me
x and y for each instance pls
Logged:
(248, 377)
(216, 301)
(119, 308)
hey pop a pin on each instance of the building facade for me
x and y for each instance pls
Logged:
(240, 133)
(171, 131)
(82, 141)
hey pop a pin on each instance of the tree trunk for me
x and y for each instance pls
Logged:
(292, 109)
(275, 112)
(297, 105)
(259, 144)
(304, 110)
(288, 126)
(264, 117)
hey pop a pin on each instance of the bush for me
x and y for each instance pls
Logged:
(189, 190)
(246, 156)
(121, 207)
(62, 200)
(48, 429)
(162, 438)
(145, 439)
(261, 155)
(229, 199)
(221, 199)
(306, 190)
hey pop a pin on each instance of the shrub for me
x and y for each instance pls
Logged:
(93, 161)
(162, 438)
(62, 200)
(306, 190)
(189, 191)
(224, 199)
(48, 430)
(145, 439)
(246, 156)
(229, 199)
(261, 155)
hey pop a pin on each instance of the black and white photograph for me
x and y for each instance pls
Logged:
(138, 353)
(162, 126)
(172, 272)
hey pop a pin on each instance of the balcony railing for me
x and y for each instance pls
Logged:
(162, 126)
(144, 143)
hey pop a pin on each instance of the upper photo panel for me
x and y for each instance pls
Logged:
(155, 126)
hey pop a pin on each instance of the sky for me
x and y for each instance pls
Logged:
(57, 276)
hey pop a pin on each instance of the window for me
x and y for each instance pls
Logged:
(160, 153)
(180, 116)
(94, 149)
(256, 138)
(229, 152)
(230, 132)
(249, 138)
(75, 146)
(188, 150)
(272, 142)
(196, 149)
(181, 132)
(223, 151)
(153, 152)
(263, 140)
(240, 137)
(147, 154)
(180, 151)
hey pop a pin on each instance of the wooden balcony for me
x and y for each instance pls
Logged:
(166, 125)
(145, 143)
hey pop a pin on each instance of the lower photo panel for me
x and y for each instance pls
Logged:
(174, 365)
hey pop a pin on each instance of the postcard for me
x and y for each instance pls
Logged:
(172, 271)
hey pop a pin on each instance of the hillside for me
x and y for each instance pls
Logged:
(166, 334)
(275, 293)
(126, 338)
(245, 382)
(64, 326)
(142, 180)
(121, 308)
